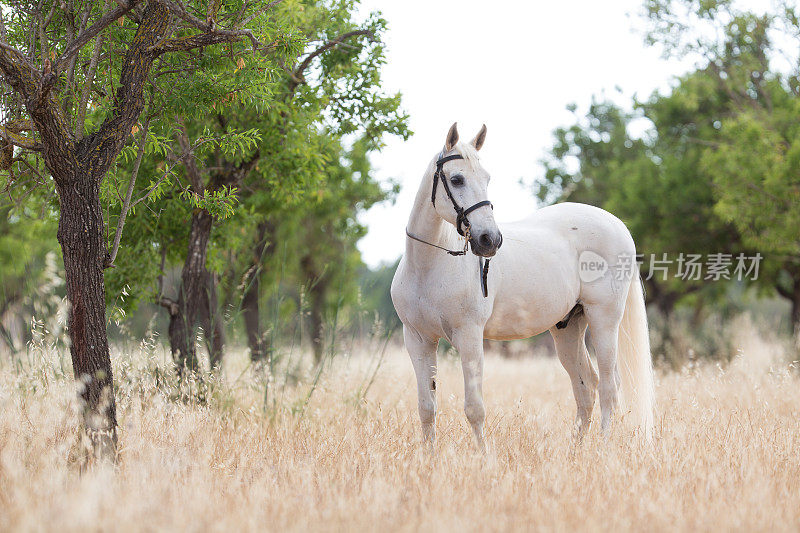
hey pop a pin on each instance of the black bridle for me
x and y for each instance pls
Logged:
(461, 219)
(461, 213)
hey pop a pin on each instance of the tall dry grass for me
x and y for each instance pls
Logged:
(725, 455)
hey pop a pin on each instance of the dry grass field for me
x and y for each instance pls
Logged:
(333, 458)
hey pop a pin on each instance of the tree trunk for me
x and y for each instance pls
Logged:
(251, 309)
(317, 330)
(795, 313)
(251, 313)
(196, 300)
(179, 341)
(80, 234)
(211, 320)
(317, 289)
(317, 300)
(792, 293)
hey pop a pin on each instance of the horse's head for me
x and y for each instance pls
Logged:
(459, 192)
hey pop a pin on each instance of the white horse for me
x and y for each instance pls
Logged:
(566, 267)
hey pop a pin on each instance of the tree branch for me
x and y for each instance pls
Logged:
(80, 121)
(17, 139)
(42, 180)
(298, 75)
(232, 175)
(106, 143)
(210, 30)
(188, 158)
(34, 90)
(43, 24)
(245, 167)
(126, 204)
(185, 44)
(124, 6)
(3, 34)
(16, 54)
(46, 83)
(31, 35)
(71, 33)
(170, 305)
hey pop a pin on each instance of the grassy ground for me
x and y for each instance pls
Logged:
(339, 458)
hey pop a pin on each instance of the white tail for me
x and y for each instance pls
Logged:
(635, 361)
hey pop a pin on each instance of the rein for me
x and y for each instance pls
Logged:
(461, 219)
(451, 252)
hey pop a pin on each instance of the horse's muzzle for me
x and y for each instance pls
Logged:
(486, 243)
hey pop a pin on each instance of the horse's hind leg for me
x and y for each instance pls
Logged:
(571, 347)
(423, 356)
(604, 324)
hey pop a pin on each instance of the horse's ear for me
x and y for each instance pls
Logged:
(477, 142)
(452, 137)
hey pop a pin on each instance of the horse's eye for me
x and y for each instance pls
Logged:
(457, 180)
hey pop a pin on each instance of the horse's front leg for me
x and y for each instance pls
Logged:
(423, 356)
(469, 343)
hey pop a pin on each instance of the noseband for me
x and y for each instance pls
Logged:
(461, 219)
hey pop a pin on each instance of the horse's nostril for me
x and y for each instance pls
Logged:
(486, 240)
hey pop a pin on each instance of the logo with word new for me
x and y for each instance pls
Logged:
(591, 266)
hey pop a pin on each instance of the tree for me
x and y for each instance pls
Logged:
(337, 84)
(327, 232)
(752, 156)
(272, 157)
(79, 100)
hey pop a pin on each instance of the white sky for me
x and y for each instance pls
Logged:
(514, 65)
